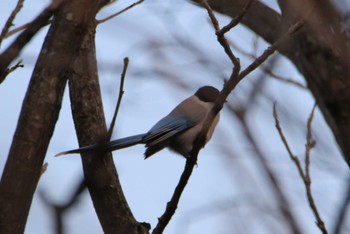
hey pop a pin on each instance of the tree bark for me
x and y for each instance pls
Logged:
(99, 170)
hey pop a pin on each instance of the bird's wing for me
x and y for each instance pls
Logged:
(166, 128)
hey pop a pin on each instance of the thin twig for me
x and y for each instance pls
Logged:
(9, 22)
(237, 19)
(271, 49)
(121, 92)
(283, 79)
(310, 143)
(220, 37)
(14, 49)
(266, 69)
(285, 142)
(305, 176)
(22, 27)
(15, 30)
(9, 70)
(119, 12)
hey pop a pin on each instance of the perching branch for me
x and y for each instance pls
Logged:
(305, 176)
(200, 140)
(235, 77)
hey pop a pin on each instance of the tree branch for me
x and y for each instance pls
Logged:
(305, 176)
(120, 96)
(235, 78)
(9, 21)
(100, 173)
(9, 70)
(119, 12)
(15, 48)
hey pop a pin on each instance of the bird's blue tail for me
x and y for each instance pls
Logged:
(124, 142)
(109, 146)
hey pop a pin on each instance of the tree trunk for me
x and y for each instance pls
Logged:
(69, 40)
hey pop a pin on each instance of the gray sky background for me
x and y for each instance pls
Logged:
(162, 40)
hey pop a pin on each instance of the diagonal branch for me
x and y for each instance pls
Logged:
(220, 35)
(10, 20)
(15, 48)
(119, 12)
(200, 140)
(237, 19)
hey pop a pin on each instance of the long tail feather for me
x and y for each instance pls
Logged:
(125, 142)
(110, 146)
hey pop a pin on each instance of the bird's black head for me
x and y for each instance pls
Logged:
(207, 94)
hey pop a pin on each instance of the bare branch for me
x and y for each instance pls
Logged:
(237, 19)
(285, 142)
(271, 49)
(266, 69)
(119, 12)
(9, 70)
(121, 92)
(309, 143)
(14, 49)
(220, 36)
(22, 27)
(305, 176)
(9, 21)
(16, 30)
(283, 79)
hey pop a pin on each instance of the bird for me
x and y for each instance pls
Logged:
(177, 131)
